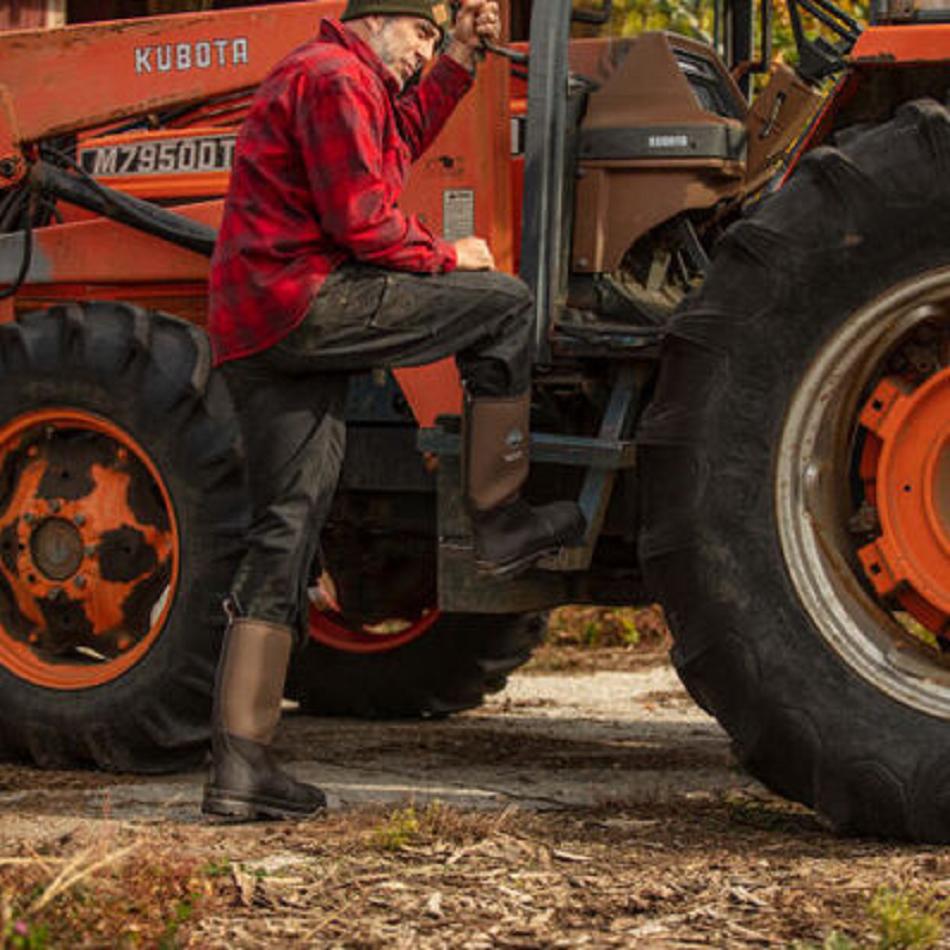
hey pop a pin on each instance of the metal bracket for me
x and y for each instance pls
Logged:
(599, 480)
(610, 452)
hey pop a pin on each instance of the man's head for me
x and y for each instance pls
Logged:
(403, 33)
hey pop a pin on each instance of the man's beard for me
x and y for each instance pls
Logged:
(388, 51)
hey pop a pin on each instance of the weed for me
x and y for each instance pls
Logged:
(596, 627)
(907, 920)
(592, 634)
(22, 934)
(182, 913)
(397, 830)
(216, 869)
(629, 631)
(17, 931)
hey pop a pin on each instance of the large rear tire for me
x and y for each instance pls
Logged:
(801, 547)
(122, 509)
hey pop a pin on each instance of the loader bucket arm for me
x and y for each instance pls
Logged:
(96, 74)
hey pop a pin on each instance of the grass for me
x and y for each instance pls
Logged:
(908, 920)
(900, 919)
(397, 830)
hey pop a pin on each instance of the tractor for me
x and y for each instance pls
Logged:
(741, 272)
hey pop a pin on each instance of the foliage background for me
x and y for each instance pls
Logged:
(696, 18)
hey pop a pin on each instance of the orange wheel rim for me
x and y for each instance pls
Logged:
(89, 549)
(332, 630)
(906, 468)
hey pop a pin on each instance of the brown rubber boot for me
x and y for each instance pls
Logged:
(245, 783)
(510, 535)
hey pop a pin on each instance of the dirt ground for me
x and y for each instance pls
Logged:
(579, 808)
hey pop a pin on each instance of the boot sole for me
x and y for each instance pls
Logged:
(514, 568)
(229, 809)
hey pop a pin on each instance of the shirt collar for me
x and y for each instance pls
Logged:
(333, 31)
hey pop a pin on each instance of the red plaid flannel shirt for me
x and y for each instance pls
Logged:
(318, 170)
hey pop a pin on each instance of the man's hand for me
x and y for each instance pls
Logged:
(477, 21)
(473, 254)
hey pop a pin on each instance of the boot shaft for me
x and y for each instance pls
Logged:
(495, 451)
(251, 676)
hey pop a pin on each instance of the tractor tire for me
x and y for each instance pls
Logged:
(380, 649)
(122, 506)
(770, 493)
(447, 669)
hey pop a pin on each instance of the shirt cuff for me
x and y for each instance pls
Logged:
(457, 78)
(450, 258)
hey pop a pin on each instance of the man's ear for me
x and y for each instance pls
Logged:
(374, 24)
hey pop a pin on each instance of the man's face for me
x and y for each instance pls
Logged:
(405, 44)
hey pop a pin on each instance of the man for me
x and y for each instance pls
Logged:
(317, 274)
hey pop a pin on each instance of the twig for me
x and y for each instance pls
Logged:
(326, 919)
(64, 882)
(37, 860)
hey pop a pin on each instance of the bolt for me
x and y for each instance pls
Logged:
(55, 593)
(79, 581)
(8, 168)
(55, 505)
(90, 550)
(79, 520)
(29, 517)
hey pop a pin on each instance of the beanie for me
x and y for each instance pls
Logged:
(435, 11)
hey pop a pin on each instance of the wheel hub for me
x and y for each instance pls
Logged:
(57, 549)
(88, 549)
(906, 470)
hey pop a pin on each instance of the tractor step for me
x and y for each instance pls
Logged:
(461, 586)
(609, 454)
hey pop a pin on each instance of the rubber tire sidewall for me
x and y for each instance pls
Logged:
(449, 668)
(149, 374)
(852, 224)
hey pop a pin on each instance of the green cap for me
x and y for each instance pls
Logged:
(435, 11)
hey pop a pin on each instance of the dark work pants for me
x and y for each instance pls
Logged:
(290, 400)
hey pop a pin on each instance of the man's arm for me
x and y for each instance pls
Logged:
(424, 110)
(339, 131)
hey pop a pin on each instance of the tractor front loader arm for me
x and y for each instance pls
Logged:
(92, 75)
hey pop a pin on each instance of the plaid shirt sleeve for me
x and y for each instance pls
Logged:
(424, 109)
(340, 124)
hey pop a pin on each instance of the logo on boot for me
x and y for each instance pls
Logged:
(515, 442)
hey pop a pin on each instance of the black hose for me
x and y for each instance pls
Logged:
(83, 190)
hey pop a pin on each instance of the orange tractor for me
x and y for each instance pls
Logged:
(742, 371)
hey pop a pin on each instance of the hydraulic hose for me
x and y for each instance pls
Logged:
(87, 193)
